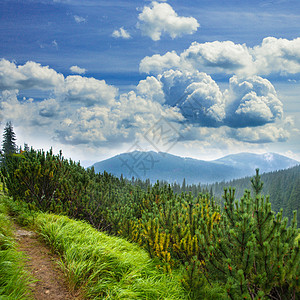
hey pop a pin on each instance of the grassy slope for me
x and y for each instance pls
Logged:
(101, 266)
(105, 267)
(13, 279)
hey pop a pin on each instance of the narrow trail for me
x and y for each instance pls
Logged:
(42, 265)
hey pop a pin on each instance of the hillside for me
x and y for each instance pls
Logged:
(190, 236)
(282, 186)
(91, 264)
(171, 168)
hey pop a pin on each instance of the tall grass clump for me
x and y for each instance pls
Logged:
(14, 280)
(105, 267)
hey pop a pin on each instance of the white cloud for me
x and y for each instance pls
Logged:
(151, 89)
(75, 88)
(121, 33)
(27, 113)
(277, 55)
(272, 56)
(158, 63)
(223, 56)
(265, 134)
(161, 18)
(196, 94)
(28, 76)
(191, 102)
(251, 102)
(247, 103)
(48, 108)
(78, 70)
(88, 91)
(123, 122)
(79, 19)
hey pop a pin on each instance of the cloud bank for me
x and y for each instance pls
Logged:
(246, 103)
(272, 56)
(87, 111)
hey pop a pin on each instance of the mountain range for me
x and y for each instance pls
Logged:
(164, 166)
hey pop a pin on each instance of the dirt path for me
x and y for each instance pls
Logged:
(42, 265)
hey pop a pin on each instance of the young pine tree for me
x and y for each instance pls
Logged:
(253, 252)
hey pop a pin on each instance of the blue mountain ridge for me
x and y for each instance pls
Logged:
(164, 166)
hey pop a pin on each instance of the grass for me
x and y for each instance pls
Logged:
(105, 267)
(14, 280)
(99, 266)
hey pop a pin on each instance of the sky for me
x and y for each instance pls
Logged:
(201, 79)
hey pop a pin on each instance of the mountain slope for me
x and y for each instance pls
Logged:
(171, 168)
(282, 186)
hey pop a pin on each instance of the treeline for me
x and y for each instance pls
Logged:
(282, 186)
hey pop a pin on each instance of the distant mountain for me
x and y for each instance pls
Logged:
(171, 168)
(267, 162)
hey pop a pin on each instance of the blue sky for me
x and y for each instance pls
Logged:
(194, 78)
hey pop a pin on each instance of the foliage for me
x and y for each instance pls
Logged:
(257, 184)
(252, 251)
(243, 249)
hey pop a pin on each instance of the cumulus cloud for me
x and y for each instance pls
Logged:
(123, 122)
(251, 102)
(88, 91)
(223, 56)
(48, 108)
(190, 103)
(121, 33)
(158, 63)
(159, 18)
(75, 88)
(196, 94)
(277, 55)
(27, 113)
(77, 70)
(272, 56)
(151, 89)
(247, 103)
(28, 76)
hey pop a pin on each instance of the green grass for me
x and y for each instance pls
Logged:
(99, 266)
(14, 280)
(105, 267)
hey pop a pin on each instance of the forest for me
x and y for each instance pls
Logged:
(238, 248)
(283, 187)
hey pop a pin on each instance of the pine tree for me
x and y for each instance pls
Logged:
(9, 140)
(257, 184)
(252, 251)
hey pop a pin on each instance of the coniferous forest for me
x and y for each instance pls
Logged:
(238, 248)
(282, 186)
